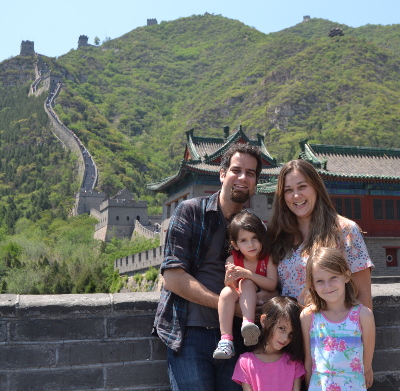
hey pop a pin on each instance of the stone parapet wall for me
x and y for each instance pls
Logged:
(69, 141)
(103, 342)
(100, 233)
(80, 342)
(143, 231)
(139, 262)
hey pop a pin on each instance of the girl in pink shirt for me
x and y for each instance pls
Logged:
(276, 362)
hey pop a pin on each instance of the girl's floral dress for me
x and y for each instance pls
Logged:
(337, 353)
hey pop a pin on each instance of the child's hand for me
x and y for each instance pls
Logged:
(230, 276)
(239, 272)
(369, 378)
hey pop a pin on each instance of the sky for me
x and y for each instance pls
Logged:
(56, 26)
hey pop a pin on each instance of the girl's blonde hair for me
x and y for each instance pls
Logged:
(332, 260)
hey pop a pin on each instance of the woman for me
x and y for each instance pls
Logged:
(303, 219)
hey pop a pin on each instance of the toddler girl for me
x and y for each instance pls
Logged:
(247, 270)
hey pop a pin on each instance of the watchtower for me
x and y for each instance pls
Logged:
(306, 18)
(150, 22)
(27, 48)
(83, 41)
(51, 80)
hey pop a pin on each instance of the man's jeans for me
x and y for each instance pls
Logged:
(195, 369)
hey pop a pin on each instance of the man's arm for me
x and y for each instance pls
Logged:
(183, 284)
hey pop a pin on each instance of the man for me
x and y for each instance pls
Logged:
(194, 271)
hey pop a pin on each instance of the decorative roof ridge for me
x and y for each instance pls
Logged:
(208, 139)
(236, 136)
(264, 150)
(192, 147)
(353, 150)
(152, 185)
(229, 141)
(307, 153)
(357, 176)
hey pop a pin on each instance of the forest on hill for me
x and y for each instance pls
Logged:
(131, 99)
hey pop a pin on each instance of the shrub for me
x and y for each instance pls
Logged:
(151, 274)
(138, 278)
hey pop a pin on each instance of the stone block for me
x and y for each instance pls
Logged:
(3, 331)
(3, 382)
(7, 305)
(84, 353)
(57, 380)
(386, 316)
(138, 302)
(129, 326)
(137, 374)
(27, 356)
(385, 294)
(386, 382)
(57, 329)
(386, 361)
(59, 305)
(388, 338)
(158, 348)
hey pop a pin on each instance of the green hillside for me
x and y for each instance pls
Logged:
(131, 100)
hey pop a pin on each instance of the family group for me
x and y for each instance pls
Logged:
(250, 307)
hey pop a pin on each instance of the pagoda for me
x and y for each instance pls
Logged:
(198, 173)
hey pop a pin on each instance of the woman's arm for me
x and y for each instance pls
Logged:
(305, 319)
(247, 387)
(362, 279)
(368, 337)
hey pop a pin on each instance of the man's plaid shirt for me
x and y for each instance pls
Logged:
(187, 241)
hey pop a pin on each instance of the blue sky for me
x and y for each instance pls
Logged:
(55, 26)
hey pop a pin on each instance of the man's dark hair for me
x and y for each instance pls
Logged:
(242, 148)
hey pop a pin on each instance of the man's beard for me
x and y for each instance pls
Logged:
(241, 197)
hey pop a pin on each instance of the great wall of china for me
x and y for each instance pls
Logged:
(103, 342)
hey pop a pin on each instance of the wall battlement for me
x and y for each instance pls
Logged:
(103, 342)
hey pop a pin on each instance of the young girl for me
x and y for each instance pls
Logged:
(247, 270)
(339, 333)
(275, 363)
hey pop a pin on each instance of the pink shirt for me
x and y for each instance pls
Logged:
(279, 375)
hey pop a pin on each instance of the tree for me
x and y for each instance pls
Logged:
(96, 40)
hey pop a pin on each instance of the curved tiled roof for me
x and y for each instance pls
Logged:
(353, 162)
(203, 155)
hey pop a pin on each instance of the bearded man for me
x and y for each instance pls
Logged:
(194, 270)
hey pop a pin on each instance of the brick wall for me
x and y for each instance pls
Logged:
(103, 342)
(377, 252)
(80, 342)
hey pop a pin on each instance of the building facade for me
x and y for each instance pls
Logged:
(363, 183)
(199, 173)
